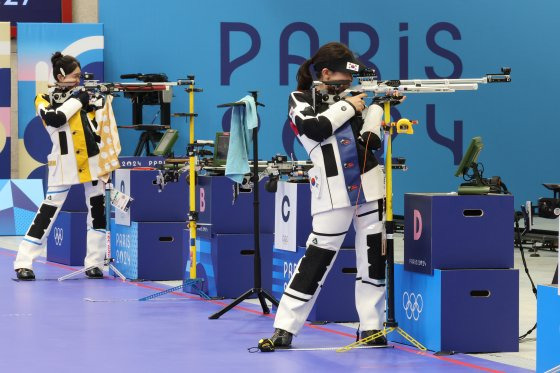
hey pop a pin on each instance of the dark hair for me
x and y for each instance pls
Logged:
(327, 52)
(63, 64)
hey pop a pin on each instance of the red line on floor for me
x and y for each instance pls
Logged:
(241, 308)
(458, 362)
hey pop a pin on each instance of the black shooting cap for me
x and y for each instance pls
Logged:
(347, 64)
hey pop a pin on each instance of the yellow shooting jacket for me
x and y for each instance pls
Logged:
(74, 157)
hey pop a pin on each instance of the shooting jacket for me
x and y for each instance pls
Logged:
(75, 151)
(335, 140)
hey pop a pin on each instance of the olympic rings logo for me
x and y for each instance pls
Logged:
(413, 305)
(58, 235)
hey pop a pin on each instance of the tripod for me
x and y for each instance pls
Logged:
(391, 324)
(108, 259)
(261, 294)
(148, 137)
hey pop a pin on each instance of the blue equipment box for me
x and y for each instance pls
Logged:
(225, 262)
(473, 310)
(548, 320)
(336, 301)
(75, 200)
(150, 204)
(301, 210)
(148, 250)
(445, 231)
(214, 195)
(67, 241)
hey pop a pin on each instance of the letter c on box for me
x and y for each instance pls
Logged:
(285, 214)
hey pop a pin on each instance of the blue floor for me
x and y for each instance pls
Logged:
(48, 326)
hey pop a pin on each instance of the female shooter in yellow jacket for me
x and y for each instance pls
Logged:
(68, 114)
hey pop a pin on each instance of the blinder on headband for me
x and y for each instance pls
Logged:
(343, 65)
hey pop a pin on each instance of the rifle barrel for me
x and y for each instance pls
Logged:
(426, 85)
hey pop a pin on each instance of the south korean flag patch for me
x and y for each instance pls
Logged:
(315, 181)
(352, 66)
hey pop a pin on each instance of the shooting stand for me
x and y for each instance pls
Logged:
(257, 289)
(391, 324)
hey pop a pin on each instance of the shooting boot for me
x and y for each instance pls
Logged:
(379, 341)
(281, 338)
(25, 274)
(94, 273)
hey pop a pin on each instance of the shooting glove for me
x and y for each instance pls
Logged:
(96, 102)
(83, 96)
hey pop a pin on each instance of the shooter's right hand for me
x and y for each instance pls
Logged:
(357, 101)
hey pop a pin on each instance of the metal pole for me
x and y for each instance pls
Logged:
(192, 186)
(389, 224)
(256, 233)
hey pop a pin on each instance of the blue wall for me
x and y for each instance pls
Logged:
(446, 38)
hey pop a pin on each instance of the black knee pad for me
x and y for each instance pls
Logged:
(311, 270)
(42, 221)
(97, 206)
(376, 258)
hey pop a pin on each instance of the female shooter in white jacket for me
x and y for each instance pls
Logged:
(347, 185)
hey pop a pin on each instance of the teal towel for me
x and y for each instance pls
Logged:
(243, 121)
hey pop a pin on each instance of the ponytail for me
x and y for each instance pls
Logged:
(304, 78)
